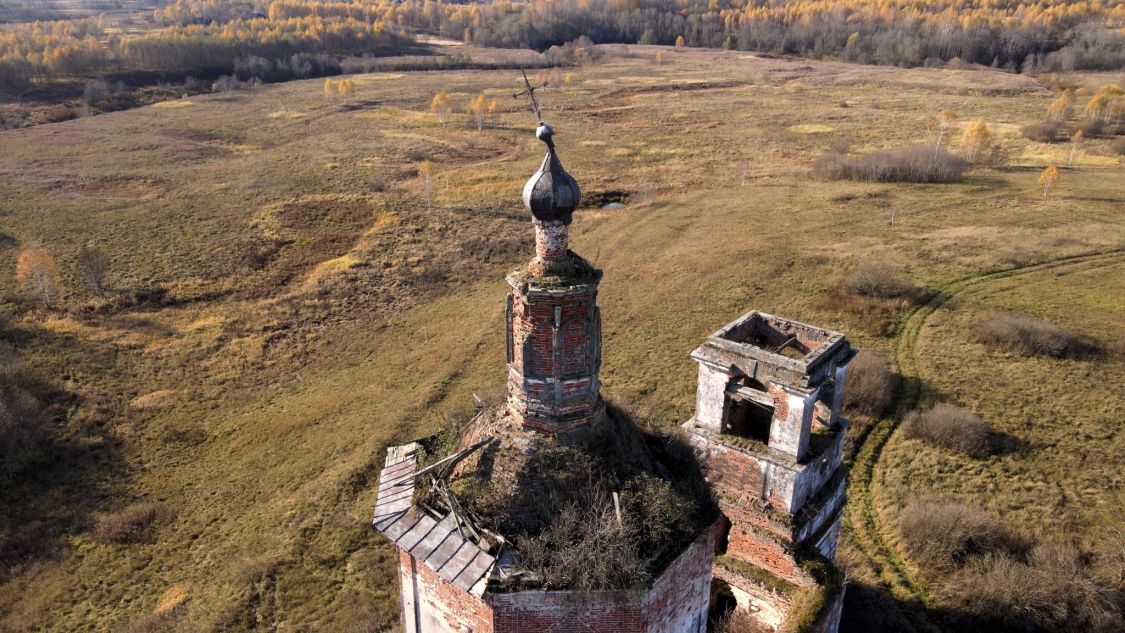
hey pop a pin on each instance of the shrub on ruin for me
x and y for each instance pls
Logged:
(1045, 132)
(869, 385)
(557, 504)
(130, 524)
(952, 428)
(1027, 336)
(943, 535)
(585, 548)
(880, 280)
(917, 163)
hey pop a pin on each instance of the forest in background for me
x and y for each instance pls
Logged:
(215, 36)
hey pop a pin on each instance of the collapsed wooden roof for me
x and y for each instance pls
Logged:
(439, 543)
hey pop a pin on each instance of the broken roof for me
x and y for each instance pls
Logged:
(437, 542)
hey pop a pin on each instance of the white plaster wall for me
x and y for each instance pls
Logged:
(838, 394)
(710, 398)
(791, 434)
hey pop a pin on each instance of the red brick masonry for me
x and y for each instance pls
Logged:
(677, 602)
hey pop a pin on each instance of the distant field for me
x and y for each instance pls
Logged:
(321, 300)
(15, 11)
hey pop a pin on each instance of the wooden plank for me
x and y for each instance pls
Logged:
(433, 540)
(389, 477)
(397, 529)
(391, 496)
(416, 533)
(396, 454)
(442, 555)
(474, 571)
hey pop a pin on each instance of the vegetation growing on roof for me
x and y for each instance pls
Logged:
(553, 502)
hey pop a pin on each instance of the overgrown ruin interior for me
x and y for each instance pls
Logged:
(553, 511)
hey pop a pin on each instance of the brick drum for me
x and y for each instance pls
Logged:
(676, 602)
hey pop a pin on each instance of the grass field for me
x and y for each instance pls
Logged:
(318, 303)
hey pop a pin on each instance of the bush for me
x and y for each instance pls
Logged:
(1091, 128)
(738, 621)
(945, 534)
(1032, 337)
(950, 427)
(1051, 588)
(1045, 132)
(129, 525)
(869, 385)
(880, 280)
(917, 163)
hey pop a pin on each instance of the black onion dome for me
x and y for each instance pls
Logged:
(551, 194)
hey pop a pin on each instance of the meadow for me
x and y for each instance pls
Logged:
(297, 281)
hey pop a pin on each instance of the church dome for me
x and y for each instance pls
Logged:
(551, 194)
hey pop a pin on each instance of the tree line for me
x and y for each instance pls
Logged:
(1047, 35)
(45, 51)
(1050, 35)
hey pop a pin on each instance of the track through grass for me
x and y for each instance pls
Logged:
(866, 523)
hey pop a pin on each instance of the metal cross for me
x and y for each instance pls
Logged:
(529, 92)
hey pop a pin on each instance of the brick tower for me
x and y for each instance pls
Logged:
(553, 323)
(768, 418)
(459, 524)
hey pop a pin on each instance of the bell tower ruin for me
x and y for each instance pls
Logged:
(768, 419)
(553, 322)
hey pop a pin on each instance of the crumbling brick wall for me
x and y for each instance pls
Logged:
(430, 604)
(677, 602)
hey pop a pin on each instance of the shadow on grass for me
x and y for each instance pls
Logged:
(74, 469)
(871, 609)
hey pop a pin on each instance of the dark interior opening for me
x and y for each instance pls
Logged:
(723, 602)
(749, 419)
(723, 540)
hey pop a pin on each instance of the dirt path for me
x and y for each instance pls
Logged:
(867, 526)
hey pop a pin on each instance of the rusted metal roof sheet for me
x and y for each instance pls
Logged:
(437, 543)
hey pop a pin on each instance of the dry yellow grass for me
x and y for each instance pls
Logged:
(286, 390)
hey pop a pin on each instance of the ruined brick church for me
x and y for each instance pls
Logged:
(549, 512)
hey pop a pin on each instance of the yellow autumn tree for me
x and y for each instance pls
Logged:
(1095, 107)
(941, 123)
(345, 88)
(479, 108)
(1048, 178)
(680, 43)
(426, 174)
(1060, 108)
(38, 274)
(329, 90)
(440, 105)
(1075, 141)
(975, 140)
(494, 113)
